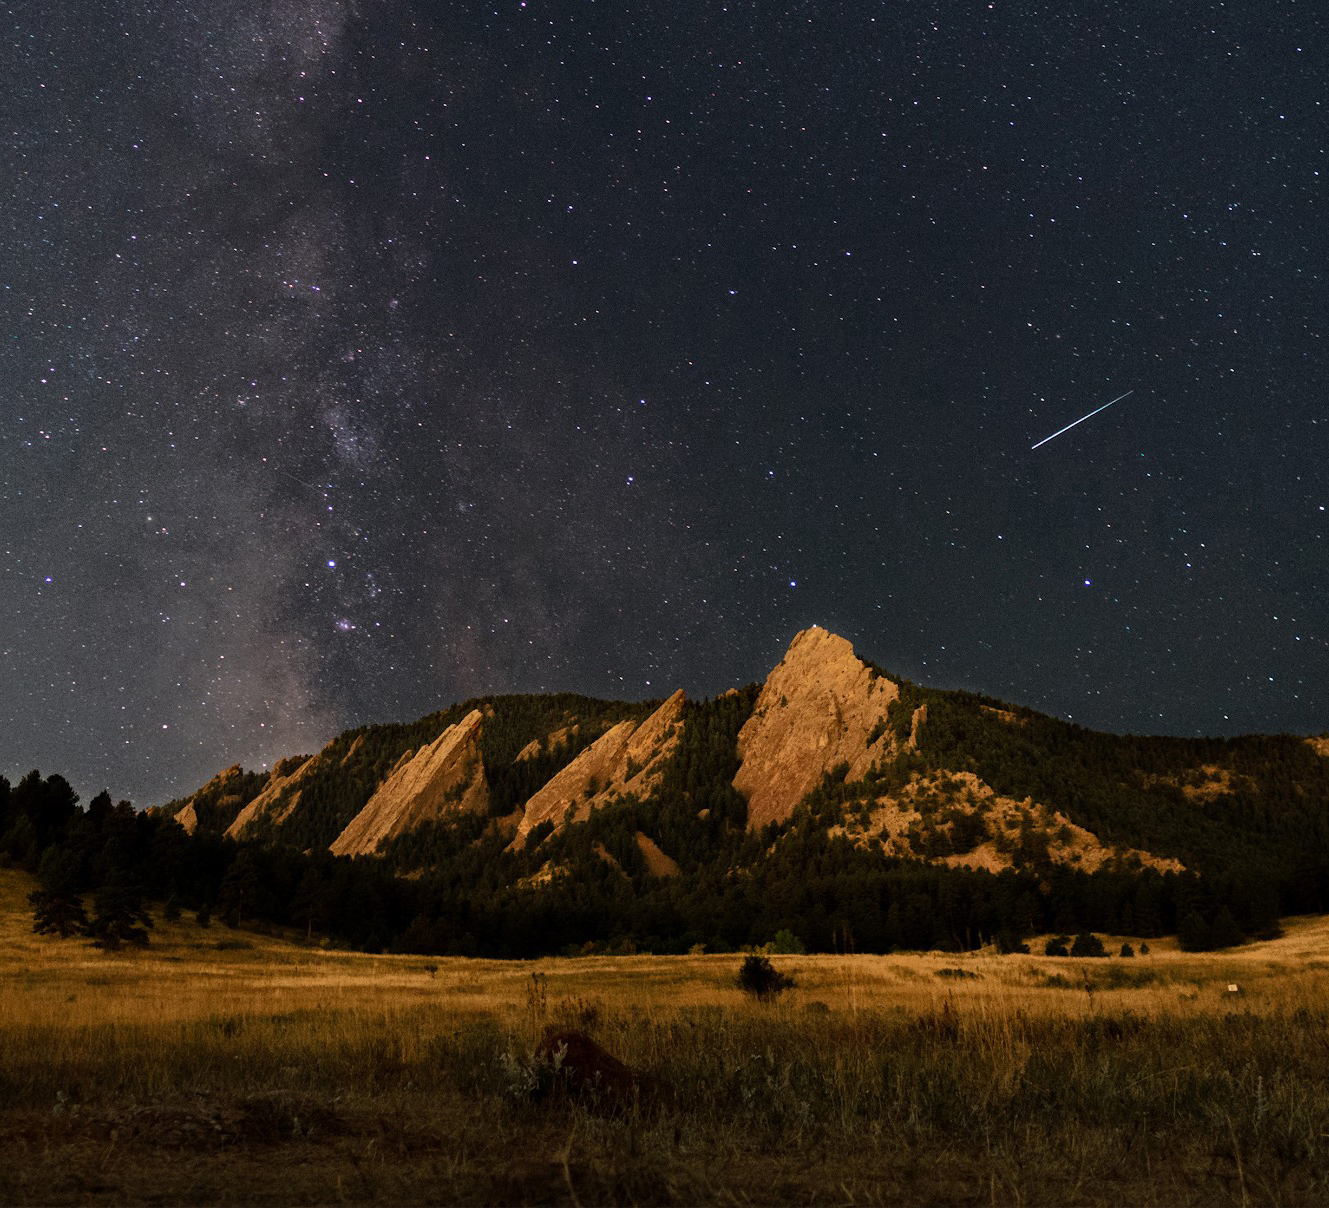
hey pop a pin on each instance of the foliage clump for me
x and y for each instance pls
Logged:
(761, 979)
(1088, 944)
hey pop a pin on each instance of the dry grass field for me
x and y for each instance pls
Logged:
(224, 1067)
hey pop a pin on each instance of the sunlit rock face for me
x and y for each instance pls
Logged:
(279, 797)
(627, 759)
(818, 708)
(445, 777)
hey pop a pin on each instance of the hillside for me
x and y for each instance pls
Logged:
(835, 802)
(916, 773)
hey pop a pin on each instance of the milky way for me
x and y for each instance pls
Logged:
(362, 357)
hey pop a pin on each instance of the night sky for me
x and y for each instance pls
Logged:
(362, 357)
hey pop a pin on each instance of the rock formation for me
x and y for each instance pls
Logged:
(628, 758)
(822, 706)
(279, 797)
(548, 743)
(188, 818)
(221, 795)
(442, 778)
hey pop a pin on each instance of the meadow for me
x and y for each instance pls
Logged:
(220, 1066)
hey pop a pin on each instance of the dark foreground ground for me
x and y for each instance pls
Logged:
(934, 1110)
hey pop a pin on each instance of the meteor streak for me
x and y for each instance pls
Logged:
(1081, 420)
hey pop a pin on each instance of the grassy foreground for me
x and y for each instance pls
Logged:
(223, 1067)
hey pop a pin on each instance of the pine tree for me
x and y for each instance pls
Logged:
(1193, 933)
(1088, 944)
(120, 918)
(57, 906)
(240, 889)
(1224, 933)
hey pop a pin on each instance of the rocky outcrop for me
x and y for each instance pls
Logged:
(821, 707)
(279, 797)
(222, 795)
(538, 745)
(445, 777)
(955, 818)
(627, 759)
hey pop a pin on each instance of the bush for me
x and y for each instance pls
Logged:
(761, 979)
(1087, 944)
(1127, 950)
(1057, 946)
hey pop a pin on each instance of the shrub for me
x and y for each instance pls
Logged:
(1088, 944)
(1127, 950)
(761, 979)
(1057, 946)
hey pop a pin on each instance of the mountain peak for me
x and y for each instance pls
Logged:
(822, 706)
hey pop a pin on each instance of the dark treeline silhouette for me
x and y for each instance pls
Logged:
(1255, 843)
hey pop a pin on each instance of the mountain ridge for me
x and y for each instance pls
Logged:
(823, 722)
(835, 804)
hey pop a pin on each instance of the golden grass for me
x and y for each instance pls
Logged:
(222, 1066)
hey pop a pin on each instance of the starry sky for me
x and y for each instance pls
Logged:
(360, 356)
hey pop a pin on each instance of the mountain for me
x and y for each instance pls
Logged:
(914, 773)
(626, 760)
(832, 800)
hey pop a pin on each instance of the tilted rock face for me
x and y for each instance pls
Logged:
(442, 778)
(628, 758)
(536, 745)
(274, 800)
(215, 790)
(817, 709)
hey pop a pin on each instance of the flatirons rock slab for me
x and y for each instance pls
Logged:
(817, 709)
(279, 797)
(445, 777)
(627, 759)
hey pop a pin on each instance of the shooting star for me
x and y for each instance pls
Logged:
(1081, 420)
(311, 485)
